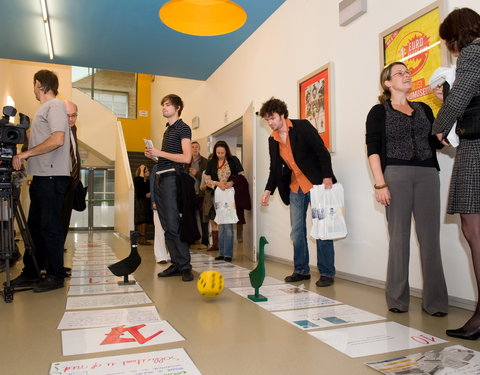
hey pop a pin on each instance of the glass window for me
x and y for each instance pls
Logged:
(117, 91)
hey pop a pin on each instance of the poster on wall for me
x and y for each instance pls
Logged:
(416, 42)
(314, 102)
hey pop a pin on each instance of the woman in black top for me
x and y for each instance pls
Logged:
(402, 158)
(461, 32)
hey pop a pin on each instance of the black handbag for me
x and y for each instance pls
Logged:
(79, 203)
(468, 126)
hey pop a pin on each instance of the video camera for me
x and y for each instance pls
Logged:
(10, 136)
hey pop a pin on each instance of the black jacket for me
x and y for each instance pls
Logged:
(310, 154)
(187, 205)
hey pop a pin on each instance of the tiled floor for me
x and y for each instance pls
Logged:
(224, 335)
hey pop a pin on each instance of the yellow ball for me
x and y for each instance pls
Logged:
(210, 283)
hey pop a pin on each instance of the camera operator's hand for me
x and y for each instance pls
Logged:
(18, 160)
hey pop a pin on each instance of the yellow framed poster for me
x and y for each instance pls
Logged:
(415, 41)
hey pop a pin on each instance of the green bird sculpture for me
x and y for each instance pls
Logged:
(257, 275)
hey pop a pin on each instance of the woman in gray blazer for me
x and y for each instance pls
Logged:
(461, 32)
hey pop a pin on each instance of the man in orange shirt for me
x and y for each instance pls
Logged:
(298, 160)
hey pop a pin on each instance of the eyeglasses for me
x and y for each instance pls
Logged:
(401, 73)
(72, 115)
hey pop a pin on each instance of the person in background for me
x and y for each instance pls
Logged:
(298, 160)
(143, 211)
(195, 169)
(461, 32)
(159, 247)
(403, 160)
(209, 210)
(72, 113)
(219, 169)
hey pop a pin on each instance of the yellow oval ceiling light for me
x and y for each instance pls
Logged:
(203, 17)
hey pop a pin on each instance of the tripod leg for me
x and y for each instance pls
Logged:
(7, 243)
(25, 232)
(7, 289)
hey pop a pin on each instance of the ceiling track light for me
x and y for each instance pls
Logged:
(46, 25)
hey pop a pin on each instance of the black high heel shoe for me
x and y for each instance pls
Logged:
(462, 334)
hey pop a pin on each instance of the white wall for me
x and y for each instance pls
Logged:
(299, 38)
(19, 79)
(96, 124)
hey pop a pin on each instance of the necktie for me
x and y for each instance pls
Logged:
(75, 173)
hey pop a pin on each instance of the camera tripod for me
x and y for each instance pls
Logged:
(10, 210)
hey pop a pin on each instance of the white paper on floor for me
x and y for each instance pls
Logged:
(171, 361)
(286, 297)
(89, 267)
(94, 262)
(245, 282)
(92, 273)
(102, 318)
(330, 316)
(452, 360)
(92, 280)
(107, 300)
(83, 341)
(376, 338)
(80, 290)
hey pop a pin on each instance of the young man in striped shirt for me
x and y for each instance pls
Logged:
(176, 151)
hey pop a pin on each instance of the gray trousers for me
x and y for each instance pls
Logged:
(414, 190)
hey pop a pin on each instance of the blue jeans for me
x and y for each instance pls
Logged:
(325, 253)
(225, 239)
(167, 209)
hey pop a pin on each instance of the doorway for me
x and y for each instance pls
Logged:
(100, 200)
(240, 138)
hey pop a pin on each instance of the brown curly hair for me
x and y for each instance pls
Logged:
(272, 106)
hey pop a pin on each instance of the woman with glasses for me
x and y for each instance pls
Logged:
(461, 32)
(403, 161)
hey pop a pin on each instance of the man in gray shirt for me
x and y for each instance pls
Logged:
(49, 163)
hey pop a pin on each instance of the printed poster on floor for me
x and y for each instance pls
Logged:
(243, 282)
(376, 338)
(452, 360)
(97, 280)
(125, 336)
(107, 300)
(102, 318)
(162, 362)
(81, 290)
(327, 317)
(94, 273)
(286, 297)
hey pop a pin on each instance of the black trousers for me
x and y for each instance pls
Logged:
(45, 224)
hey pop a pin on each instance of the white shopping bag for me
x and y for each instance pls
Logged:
(328, 212)
(225, 212)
